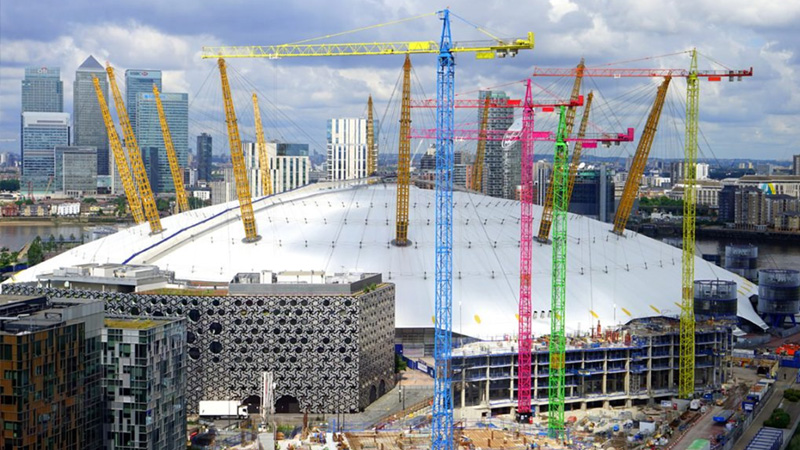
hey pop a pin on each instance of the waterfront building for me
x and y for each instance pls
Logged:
(347, 148)
(204, 155)
(774, 184)
(41, 133)
(707, 192)
(796, 165)
(151, 139)
(144, 383)
(727, 203)
(75, 170)
(139, 81)
(42, 90)
(750, 208)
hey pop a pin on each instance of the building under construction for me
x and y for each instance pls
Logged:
(633, 364)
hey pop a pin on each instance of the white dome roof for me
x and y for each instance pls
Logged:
(348, 226)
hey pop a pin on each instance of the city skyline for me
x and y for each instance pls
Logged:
(735, 120)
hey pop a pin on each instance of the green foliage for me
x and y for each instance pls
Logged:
(792, 395)
(28, 201)
(195, 203)
(399, 364)
(162, 204)
(9, 185)
(8, 258)
(120, 206)
(778, 419)
(660, 202)
(35, 252)
(370, 287)
(90, 201)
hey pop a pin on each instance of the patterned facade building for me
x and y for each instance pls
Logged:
(327, 340)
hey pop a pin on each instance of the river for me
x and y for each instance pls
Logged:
(15, 236)
(771, 254)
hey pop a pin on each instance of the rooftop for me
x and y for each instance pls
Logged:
(133, 323)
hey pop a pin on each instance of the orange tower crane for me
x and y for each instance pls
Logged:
(177, 177)
(640, 160)
(146, 194)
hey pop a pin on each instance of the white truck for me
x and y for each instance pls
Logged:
(222, 409)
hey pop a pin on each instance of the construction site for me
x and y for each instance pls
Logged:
(577, 333)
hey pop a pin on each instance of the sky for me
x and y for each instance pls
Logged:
(754, 119)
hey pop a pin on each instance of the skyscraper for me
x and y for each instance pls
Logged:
(42, 90)
(347, 148)
(75, 170)
(137, 82)
(796, 165)
(89, 129)
(499, 120)
(204, 145)
(149, 135)
(41, 133)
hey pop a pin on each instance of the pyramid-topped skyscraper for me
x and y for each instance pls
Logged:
(88, 126)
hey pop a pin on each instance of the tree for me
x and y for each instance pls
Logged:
(35, 253)
(162, 204)
(9, 185)
(72, 237)
(120, 206)
(51, 243)
(195, 202)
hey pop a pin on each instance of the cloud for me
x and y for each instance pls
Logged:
(559, 9)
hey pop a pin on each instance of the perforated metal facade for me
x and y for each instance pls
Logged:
(330, 352)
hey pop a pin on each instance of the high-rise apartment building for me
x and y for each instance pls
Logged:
(42, 90)
(750, 208)
(541, 179)
(137, 82)
(204, 155)
(499, 121)
(144, 383)
(676, 171)
(75, 170)
(149, 135)
(347, 148)
(51, 384)
(512, 177)
(289, 166)
(41, 133)
(796, 165)
(89, 128)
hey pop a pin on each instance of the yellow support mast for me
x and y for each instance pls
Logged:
(372, 150)
(547, 210)
(686, 371)
(480, 153)
(177, 177)
(576, 153)
(119, 156)
(146, 193)
(640, 160)
(263, 157)
(237, 158)
(404, 160)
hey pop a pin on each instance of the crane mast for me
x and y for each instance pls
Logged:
(686, 372)
(239, 171)
(555, 412)
(477, 168)
(148, 201)
(576, 152)
(177, 177)
(442, 414)
(119, 156)
(547, 210)
(263, 157)
(640, 160)
(525, 251)
(403, 159)
(372, 154)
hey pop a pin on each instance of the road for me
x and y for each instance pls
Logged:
(777, 397)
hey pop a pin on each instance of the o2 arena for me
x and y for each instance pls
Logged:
(349, 226)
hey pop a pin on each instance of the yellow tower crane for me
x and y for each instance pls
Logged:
(119, 156)
(547, 210)
(146, 194)
(404, 159)
(177, 177)
(372, 150)
(477, 167)
(640, 160)
(263, 157)
(237, 158)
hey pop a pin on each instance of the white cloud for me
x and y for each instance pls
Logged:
(559, 9)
